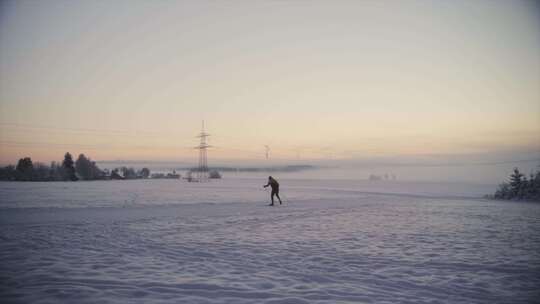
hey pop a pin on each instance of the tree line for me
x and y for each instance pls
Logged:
(68, 170)
(519, 187)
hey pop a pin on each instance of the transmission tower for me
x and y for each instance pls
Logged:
(202, 171)
(267, 149)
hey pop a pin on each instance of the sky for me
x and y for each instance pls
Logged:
(314, 80)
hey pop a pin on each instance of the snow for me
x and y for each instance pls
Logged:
(169, 241)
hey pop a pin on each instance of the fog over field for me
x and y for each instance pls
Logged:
(487, 169)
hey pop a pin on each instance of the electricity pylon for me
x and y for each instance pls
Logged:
(202, 171)
(267, 149)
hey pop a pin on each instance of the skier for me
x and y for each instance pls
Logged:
(275, 189)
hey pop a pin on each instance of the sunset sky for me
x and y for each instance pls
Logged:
(133, 80)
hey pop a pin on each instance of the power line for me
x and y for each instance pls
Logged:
(80, 130)
(78, 145)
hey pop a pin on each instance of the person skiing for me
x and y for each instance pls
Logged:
(275, 189)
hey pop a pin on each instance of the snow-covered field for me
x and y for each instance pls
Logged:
(168, 241)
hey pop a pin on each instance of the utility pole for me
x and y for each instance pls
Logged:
(202, 171)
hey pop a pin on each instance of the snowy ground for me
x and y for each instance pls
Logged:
(169, 241)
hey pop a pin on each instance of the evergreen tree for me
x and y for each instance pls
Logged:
(8, 173)
(516, 182)
(69, 170)
(519, 187)
(535, 185)
(144, 173)
(24, 169)
(86, 168)
(82, 167)
(523, 190)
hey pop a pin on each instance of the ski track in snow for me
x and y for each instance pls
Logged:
(322, 246)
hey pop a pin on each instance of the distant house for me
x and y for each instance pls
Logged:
(157, 175)
(116, 175)
(373, 177)
(172, 175)
(214, 174)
